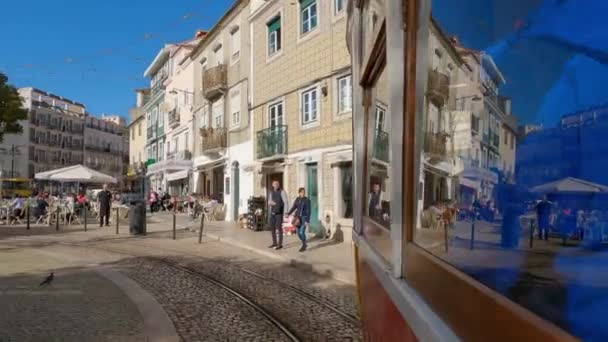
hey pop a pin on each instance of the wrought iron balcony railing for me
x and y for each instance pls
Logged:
(271, 141)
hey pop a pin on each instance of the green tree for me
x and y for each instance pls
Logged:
(10, 108)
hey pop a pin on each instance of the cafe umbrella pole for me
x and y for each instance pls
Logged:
(200, 232)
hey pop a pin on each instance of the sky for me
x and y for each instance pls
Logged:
(552, 53)
(95, 52)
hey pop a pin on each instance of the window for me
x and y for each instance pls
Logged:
(154, 117)
(160, 151)
(219, 55)
(161, 118)
(235, 107)
(512, 141)
(308, 15)
(338, 6)
(218, 114)
(154, 155)
(133, 133)
(275, 115)
(235, 44)
(168, 148)
(274, 35)
(186, 98)
(310, 103)
(345, 94)
(380, 118)
(204, 117)
(378, 181)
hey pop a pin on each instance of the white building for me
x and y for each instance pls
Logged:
(223, 138)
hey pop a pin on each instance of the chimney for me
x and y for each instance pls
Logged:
(455, 41)
(199, 34)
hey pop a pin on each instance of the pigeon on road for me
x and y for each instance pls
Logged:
(48, 280)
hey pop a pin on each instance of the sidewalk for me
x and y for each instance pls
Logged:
(323, 256)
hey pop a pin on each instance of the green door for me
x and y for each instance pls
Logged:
(312, 191)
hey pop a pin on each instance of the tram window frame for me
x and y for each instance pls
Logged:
(469, 307)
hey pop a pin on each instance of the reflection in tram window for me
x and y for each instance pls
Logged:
(513, 187)
(377, 207)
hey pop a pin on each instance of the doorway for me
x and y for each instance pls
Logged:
(312, 190)
(235, 191)
(218, 184)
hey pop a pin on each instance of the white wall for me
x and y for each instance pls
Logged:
(243, 154)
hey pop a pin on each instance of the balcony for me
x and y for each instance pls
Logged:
(214, 139)
(179, 155)
(438, 90)
(435, 144)
(271, 142)
(174, 118)
(150, 132)
(381, 146)
(214, 81)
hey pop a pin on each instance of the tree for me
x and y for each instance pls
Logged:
(10, 108)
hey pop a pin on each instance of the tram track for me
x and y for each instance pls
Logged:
(186, 269)
(352, 319)
(280, 300)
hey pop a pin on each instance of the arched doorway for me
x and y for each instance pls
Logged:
(235, 190)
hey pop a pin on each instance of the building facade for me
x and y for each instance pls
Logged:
(53, 135)
(223, 139)
(105, 146)
(301, 103)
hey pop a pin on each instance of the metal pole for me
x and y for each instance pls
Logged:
(445, 237)
(27, 215)
(473, 233)
(117, 212)
(532, 233)
(57, 220)
(200, 232)
(174, 218)
(85, 216)
(13, 164)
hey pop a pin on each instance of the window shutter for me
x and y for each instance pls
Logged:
(274, 24)
(306, 3)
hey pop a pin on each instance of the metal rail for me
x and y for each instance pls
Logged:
(189, 270)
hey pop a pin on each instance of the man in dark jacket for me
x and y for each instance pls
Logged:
(104, 198)
(278, 207)
(302, 208)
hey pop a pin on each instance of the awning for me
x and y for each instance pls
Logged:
(211, 165)
(177, 175)
(475, 185)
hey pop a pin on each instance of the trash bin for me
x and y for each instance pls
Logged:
(137, 217)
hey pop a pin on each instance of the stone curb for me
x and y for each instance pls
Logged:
(158, 325)
(306, 265)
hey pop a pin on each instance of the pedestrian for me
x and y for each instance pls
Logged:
(104, 198)
(543, 212)
(278, 208)
(302, 208)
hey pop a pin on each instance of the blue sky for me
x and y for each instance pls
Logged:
(95, 52)
(553, 53)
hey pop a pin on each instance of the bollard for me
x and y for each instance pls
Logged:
(445, 236)
(85, 217)
(174, 218)
(57, 220)
(200, 232)
(27, 217)
(531, 233)
(473, 234)
(117, 212)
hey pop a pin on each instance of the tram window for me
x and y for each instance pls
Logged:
(525, 216)
(379, 189)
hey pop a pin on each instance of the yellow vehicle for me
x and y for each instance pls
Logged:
(16, 186)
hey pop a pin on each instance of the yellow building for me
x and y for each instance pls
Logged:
(301, 103)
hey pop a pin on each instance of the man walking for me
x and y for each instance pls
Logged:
(104, 198)
(302, 208)
(278, 208)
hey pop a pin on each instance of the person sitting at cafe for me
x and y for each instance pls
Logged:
(18, 206)
(41, 206)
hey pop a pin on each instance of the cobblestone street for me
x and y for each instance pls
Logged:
(207, 292)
